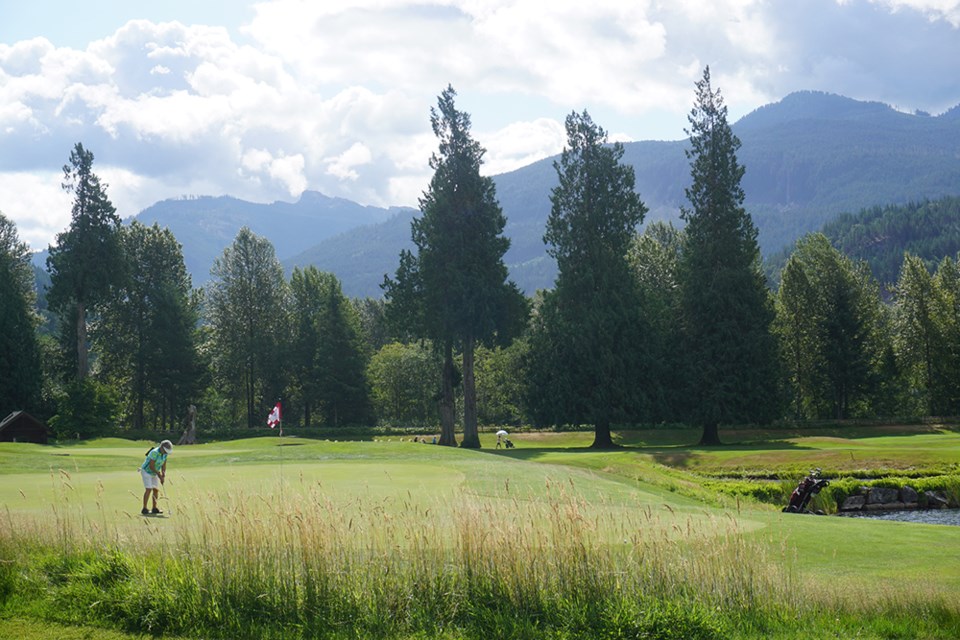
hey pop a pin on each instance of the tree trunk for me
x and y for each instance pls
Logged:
(447, 435)
(471, 435)
(711, 435)
(83, 362)
(601, 436)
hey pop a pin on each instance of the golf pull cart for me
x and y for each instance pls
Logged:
(808, 487)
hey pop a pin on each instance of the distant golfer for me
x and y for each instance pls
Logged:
(154, 471)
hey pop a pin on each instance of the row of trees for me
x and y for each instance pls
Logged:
(666, 326)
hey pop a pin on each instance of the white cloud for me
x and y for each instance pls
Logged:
(335, 95)
(344, 165)
(35, 201)
(521, 143)
(948, 10)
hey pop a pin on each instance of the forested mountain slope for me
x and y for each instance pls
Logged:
(929, 229)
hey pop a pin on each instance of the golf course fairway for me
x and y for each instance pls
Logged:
(365, 502)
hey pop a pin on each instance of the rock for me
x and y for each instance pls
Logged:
(893, 506)
(936, 499)
(909, 494)
(853, 503)
(880, 495)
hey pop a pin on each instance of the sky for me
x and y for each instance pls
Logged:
(263, 100)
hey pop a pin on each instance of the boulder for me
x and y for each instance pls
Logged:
(909, 494)
(881, 495)
(853, 503)
(893, 506)
(936, 499)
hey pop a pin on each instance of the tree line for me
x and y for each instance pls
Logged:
(668, 325)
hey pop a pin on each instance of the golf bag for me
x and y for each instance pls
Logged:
(808, 487)
(508, 444)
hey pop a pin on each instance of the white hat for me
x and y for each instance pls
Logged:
(167, 446)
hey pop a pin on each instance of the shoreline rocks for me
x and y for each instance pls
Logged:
(888, 499)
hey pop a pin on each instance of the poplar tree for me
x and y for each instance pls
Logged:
(248, 312)
(829, 317)
(726, 306)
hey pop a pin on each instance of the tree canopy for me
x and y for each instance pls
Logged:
(727, 310)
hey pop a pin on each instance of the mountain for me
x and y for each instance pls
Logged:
(207, 225)
(928, 229)
(808, 158)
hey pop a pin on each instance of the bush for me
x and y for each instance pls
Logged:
(87, 410)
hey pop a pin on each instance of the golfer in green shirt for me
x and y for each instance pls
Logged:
(154, 471)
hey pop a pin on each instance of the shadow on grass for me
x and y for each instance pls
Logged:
(669, 450)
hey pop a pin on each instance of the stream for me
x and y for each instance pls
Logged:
(925, 516)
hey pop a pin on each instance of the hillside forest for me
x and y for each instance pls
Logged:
(674, 324)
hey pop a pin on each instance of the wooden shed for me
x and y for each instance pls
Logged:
(20, 426)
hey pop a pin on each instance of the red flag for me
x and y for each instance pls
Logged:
(274, 418)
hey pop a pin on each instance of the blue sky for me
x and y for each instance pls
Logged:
(264, 100)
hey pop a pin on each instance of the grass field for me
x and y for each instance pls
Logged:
(391, 538)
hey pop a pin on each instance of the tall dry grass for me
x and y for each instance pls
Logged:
(304, 563)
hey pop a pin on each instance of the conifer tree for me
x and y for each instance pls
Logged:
(86, 260)
(590, 329)
(454, 290)
(20, 371)
(727, 308)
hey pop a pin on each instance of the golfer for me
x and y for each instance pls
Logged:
(154, 471)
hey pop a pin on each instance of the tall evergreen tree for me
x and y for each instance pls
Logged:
(726, 306)
(454, 291)
(20, 369)
(329, 355)
(342, 359)
(86, 260)
(248, 312)
(591, 325)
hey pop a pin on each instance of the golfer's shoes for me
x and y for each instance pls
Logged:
(156, 511)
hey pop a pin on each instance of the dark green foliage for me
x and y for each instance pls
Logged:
(454, 290)
(146, 338)
(374, 327)
(587, 353)
(20, 371)
(403, 377)
(328, 356)
(928, 229)
(727, 310)
(86, 261)
(655, 257)
(86, 410)
(831, 324)
(927, 334)
(248, 314)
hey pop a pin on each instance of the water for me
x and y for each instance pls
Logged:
(925, 516)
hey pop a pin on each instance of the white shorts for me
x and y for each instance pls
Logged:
(150, 481)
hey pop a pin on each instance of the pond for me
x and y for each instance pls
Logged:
(925, 516)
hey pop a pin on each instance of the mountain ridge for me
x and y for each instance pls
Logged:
(808, 158)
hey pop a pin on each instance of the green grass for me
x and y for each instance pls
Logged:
(302, 538)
